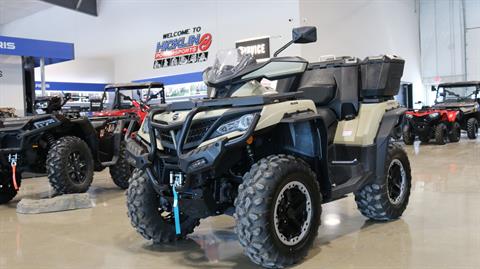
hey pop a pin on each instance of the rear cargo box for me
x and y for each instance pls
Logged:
(380, 76)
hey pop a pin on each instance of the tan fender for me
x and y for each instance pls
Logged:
(363, 129)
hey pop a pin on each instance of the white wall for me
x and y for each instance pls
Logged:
(83, 70)
(127, 31)
(364, 28)
(11, 83)
(472, 39)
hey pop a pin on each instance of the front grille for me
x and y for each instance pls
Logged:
(422, 119)
(197, 131)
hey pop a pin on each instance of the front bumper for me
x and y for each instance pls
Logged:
(211, 158)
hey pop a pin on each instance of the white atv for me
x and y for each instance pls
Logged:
(271, 157)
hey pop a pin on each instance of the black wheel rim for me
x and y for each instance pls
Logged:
(77, 167)
(396, 182)
(293, 213)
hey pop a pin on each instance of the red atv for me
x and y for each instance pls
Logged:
(122, 106)
(428, 123)
(456, 108)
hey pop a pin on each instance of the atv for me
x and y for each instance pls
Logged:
(429, 122)
(271, 157)
(7, 112)
(69, 147)
(455, 109)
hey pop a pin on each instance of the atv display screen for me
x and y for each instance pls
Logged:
(456, 94)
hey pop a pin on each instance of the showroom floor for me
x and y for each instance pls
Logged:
(440, 228)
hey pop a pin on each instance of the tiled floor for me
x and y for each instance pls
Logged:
(440, 228)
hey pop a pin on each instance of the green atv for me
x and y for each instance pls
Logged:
(272, 157)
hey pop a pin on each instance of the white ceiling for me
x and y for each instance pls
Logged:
(11, 10)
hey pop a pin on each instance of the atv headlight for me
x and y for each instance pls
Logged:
(240, 124)
(434, 115)
(408, 116)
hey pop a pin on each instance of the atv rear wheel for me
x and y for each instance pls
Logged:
(441, 133)
(408, 135)
(472, 128)
(455, 132)
(70, 165)
(122, 170)
(277, 211)
(147, 216)
(386, 200)
(7, 189)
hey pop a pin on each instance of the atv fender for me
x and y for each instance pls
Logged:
(391, 119)
(301, 126)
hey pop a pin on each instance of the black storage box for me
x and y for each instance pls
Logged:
(380, 76)
(343, 72)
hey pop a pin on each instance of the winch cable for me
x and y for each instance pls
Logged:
(13, 163)
(176, 211)
(14, 178)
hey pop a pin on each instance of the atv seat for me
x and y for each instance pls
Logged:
(320, 89)
(331, 84)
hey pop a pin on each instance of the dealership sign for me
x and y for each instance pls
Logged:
(258, 47)
(182, 47)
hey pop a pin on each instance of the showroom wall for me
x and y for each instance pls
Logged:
(122, 39)
(358, 28)
(83, 70)
(127, 31)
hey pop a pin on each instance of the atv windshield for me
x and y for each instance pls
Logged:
(228, 64)
(125, 97)
(456, 94)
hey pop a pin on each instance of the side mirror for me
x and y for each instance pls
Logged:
(305, 34)
(433, 89)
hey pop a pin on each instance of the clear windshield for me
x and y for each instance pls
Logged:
(456, 94)
(127, 95)
(227, 63)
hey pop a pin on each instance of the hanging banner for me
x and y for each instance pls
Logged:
(182, 47)
(258, 47)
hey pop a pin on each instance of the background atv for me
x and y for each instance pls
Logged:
(428, 123)
(70, 147)
(272, 157)
(7, 112)
(456, 108)
(462, 97)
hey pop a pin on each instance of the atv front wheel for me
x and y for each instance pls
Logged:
(472, 128)
(122, 170)
(455, 133)
(386, 200)
(70, 165)
(408, 135)
(277, 211)
(148, 217)
(441, 134)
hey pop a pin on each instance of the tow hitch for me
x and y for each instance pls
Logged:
(176, 180)
(12, 158)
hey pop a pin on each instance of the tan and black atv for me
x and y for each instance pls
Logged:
(271, 157)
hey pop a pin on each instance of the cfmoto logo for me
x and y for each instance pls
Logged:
(175, 116)
(7, 45)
